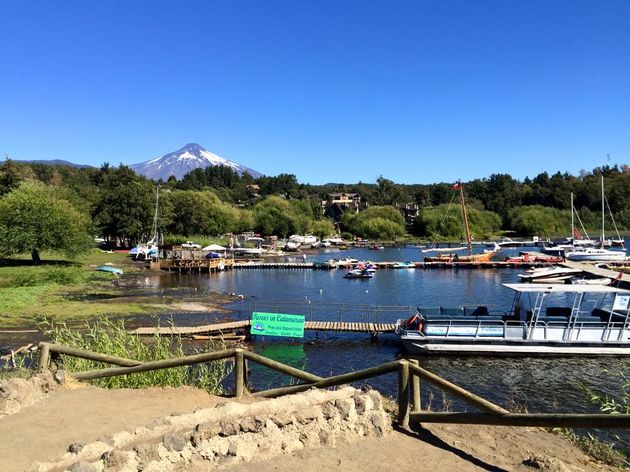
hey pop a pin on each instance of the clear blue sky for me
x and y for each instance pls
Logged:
(332, 91)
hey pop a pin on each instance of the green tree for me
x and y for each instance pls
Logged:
(377, 222)
(322, 228)
(202, 212)
(536, 220)
(126, 205)
(445, 221)
(9, 176)
(32, 219)
(281, 217)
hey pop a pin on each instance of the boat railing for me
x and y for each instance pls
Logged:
(323, 311)
(454, 326)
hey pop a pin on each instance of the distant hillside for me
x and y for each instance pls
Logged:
(54, 162)
(181, 162)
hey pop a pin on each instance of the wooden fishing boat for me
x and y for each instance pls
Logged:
(485, 256)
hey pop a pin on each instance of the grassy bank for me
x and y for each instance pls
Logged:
(57, 289)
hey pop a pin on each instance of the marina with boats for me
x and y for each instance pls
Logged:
(476, 330)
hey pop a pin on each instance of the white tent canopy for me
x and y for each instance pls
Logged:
(213, 247)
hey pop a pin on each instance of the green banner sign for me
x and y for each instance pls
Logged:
(277, 324)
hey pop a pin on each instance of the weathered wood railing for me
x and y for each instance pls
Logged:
(409, 376)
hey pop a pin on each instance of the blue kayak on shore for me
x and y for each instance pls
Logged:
(113, 270)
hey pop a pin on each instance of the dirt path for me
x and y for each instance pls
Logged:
(442, 448)
(44, 431)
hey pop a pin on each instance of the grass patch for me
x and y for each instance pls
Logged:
(602, 451)
(29, 292)
(17, 277)
(110, 337)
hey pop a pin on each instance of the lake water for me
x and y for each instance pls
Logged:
(542, 384)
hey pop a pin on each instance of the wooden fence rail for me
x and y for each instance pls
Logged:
(409, 377)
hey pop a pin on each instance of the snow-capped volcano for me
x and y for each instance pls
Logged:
(186, 159)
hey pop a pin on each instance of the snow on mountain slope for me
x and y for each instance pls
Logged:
(186, 159)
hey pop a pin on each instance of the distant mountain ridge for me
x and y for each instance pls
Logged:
(190, 157)
(53, 162)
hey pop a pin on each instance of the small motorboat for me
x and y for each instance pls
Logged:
(547, 275)
(596, 281)
(404, 265)
(358, 274)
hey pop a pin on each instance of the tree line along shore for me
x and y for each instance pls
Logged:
(57, 207)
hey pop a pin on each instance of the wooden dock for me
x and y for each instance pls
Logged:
(232, 326)
(624, 280)
(394, 265)
(214, 265)
(192, 265)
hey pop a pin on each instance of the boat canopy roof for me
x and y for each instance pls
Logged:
(564, 288)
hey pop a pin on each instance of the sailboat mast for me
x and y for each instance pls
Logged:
(603, 210)
(572, 221)
(155, 216)
(465, 217)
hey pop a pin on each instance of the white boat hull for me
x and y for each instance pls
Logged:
(516, 349)
(611, 256)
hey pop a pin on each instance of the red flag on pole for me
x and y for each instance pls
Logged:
(457, 185)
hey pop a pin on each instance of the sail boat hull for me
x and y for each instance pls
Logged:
(470, 257)
(485, 257)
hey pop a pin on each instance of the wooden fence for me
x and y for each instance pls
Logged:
(410, 375)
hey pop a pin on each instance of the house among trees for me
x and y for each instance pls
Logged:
(409, 211)
(338, 203)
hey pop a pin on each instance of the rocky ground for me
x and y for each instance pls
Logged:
(42, 418)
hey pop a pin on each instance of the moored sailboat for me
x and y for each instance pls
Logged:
(452, 256)
(598, 254)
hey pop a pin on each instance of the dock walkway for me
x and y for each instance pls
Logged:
(600, 271)
(232, 326)
(394, 265)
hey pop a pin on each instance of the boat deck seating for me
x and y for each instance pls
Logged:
(606, 315)
(558, 311)
(430, 311)
(476, 310)
(549, 319)
(451, 312)
(469, 311)
(465, 319)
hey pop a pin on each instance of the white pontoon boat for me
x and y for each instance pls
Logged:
(544, 320)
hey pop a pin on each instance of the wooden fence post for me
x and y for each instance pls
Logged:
(403, 394)
(416, 405)
(239, 373)
(44, 356)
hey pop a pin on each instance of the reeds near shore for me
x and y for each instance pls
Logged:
(110, 337)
